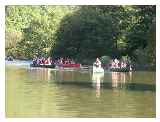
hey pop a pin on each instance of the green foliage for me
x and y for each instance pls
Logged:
(37, 24)
(137, 37)
(82, 32)
(126, 58)
(105, 60)
(87, 33)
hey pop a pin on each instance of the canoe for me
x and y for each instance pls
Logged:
(43, 66)
(119, 69)
(98, 69)
(70, 65)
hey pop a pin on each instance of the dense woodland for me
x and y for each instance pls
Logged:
(82, 32)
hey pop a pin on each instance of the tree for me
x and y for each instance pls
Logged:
(36, 25)
(87, 33)
(141, 37)
(82, 32)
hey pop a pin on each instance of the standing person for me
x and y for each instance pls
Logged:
(98, 63)
(60, 62)
(49, 60)
(116, 62)
(97, 67)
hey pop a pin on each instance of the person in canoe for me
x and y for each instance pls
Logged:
(97, 63)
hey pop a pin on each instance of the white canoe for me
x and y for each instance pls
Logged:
(98, 69)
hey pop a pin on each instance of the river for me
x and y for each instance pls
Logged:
(41, 92)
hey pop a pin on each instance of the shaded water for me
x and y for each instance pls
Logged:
(40, 92)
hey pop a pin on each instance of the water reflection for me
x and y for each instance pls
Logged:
(70, 77)
(40, 73)
(109, 80)
(112, 80)
(97, 79)
(119, 79)
(130, 76)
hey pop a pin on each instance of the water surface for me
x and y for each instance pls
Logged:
(40, 92)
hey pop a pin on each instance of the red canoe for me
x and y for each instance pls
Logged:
(70, 65)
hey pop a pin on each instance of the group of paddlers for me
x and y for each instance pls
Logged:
(9, 58)
(42, 61)
(115, 63)
(64, 61)
(50, 61)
